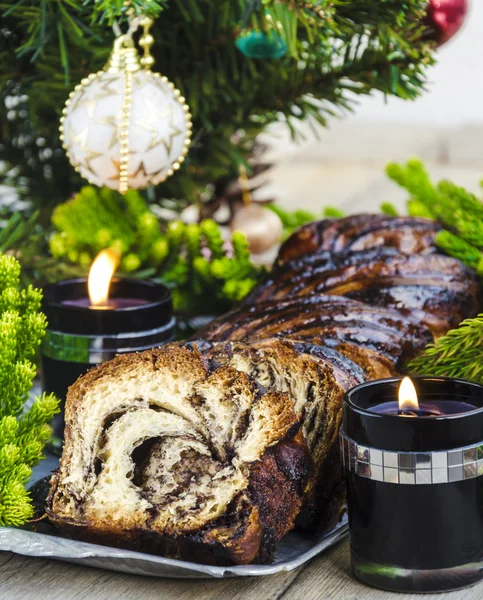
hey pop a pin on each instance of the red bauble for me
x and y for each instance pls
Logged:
(444, 18)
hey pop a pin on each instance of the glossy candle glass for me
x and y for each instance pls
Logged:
(79, 336)
(415, 485)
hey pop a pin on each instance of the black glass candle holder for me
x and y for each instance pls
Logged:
(415, 486)
(79, 336)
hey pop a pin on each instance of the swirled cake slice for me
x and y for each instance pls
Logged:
(166, 453)
(315, 377)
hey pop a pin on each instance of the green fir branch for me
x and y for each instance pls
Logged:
(459, 248)
(389, 209)
(292, 220)
(332, 212)
(457, 354)
(206, 273)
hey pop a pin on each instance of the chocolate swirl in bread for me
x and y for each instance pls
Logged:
(164, 452)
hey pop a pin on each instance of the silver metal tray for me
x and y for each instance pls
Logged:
(294, 550)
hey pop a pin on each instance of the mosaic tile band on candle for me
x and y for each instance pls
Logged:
(412, 468)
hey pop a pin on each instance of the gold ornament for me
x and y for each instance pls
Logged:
(125, 126)
(261, 226)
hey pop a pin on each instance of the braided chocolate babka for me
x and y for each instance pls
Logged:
(333, 321)
(166, 452)
(408, 235)
(316, 378)
(436, 289)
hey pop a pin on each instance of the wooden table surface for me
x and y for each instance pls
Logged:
(326, 577)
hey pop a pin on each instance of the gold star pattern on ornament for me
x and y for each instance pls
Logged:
(153, 177)
(91, 105)
(90, 156)
(75, 99)
(117, 167)
(106, 81)
(94, 91)
(79, 138)
(150, 122)
(111, 120)
(140, 171)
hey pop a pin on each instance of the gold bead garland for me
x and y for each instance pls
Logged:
(125, 118)
(146, 41)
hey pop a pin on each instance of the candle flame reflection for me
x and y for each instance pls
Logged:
(100, 275)
(408, 398)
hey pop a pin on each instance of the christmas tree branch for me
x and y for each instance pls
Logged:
(337, 50)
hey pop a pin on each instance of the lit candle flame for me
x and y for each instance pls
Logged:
(408, 398)
(100, 275)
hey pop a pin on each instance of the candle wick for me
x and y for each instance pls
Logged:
(409, 413)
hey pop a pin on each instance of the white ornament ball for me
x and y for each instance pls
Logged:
(262, 227)
(157, 122)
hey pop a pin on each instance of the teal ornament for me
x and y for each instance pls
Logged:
(257, 44)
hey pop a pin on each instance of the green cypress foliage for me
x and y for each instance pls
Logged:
(459, 211)
(205, 272)
(22, 433)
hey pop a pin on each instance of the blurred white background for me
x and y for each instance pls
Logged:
(444, 127)
(455, 91)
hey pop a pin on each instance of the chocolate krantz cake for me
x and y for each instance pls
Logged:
(435, 289)
(333, 321)
(408, 235)
(166, 452)
(316, 378)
